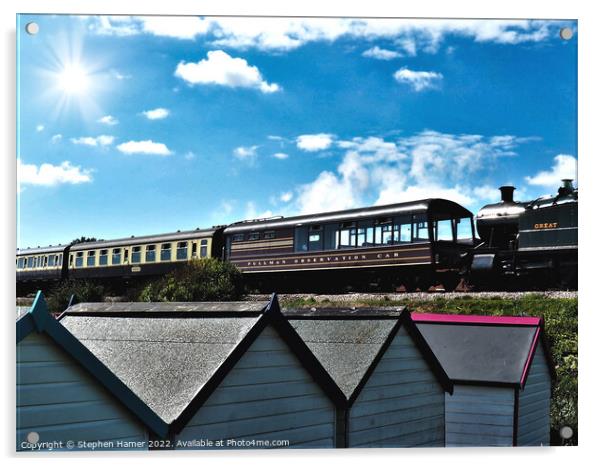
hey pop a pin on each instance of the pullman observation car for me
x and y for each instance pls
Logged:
(528, 244)
(414, 244)
(144, 256)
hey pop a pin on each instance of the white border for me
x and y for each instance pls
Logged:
(590, 81)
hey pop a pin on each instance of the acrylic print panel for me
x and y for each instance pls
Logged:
(192, 159)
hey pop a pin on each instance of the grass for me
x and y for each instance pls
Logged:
(560, 317)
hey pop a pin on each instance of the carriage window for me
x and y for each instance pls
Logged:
(361, 237)
(330, 236)
(166, 252)
(44, 261)
(443, 230)
(79, 259)
(315, 238)
(116, 259)
(254, 236)
(150, 253)
(20, 263)
(136, 252)
(388, 234)
(365, 233)
(464, 229)
(269, 235)
(420, 232)
(103, 258)
(60, 260)
(203, 248)
(126, 255)
(51, 261)
(348, 235)
(182, 251)
(91, 261)
(301, 236)
(405, 233)
(402, 230)
(238, 237)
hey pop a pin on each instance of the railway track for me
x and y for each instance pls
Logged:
(419, 296)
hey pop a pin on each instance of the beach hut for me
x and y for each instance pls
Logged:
(393, 385)
(502, 375)
(216, 375)
(65, 398)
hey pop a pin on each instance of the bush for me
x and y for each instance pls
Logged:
(198, 280)
(84, 291)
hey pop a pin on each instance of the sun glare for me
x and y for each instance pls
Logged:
(73, 79)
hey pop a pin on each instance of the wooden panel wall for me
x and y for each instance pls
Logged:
(267, 396)
(402, 404)
(60, 401)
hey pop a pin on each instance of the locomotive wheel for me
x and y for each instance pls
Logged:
(409, 284)
(424, 284)
(450, 282)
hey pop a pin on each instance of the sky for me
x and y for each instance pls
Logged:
(141, 125)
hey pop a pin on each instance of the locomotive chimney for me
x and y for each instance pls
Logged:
(567, 185)
(507, 193)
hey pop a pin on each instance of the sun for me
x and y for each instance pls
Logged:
(73, 79)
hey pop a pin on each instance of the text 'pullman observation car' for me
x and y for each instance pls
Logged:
(414, 244)
(141, 256)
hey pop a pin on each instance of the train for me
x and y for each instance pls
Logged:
(406, 246)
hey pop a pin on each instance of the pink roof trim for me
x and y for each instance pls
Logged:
(472, 319)
(530, 358)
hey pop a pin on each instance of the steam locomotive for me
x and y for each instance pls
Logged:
(527, 244)
(412, 245)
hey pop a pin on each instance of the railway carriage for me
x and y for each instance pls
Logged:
(40, 265)
(414, 244)
(143, 256)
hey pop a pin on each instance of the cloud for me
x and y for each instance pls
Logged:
(156, 114)
(251, 212)
(248, 153)
(280, 156)
(565, 166)
(183, 27)
(221, 69)
(51, 175)
(56, 138)
(418, 80)
(120, 76)
(189, 155)
(381, 54)
(286, 197)
(283, 34)
(146, 147)
(177, 27)
(314, 142)
(456, 193)
(375, 170)
(102, 140)
(487, 193)
(108, 120)
(39, 128)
